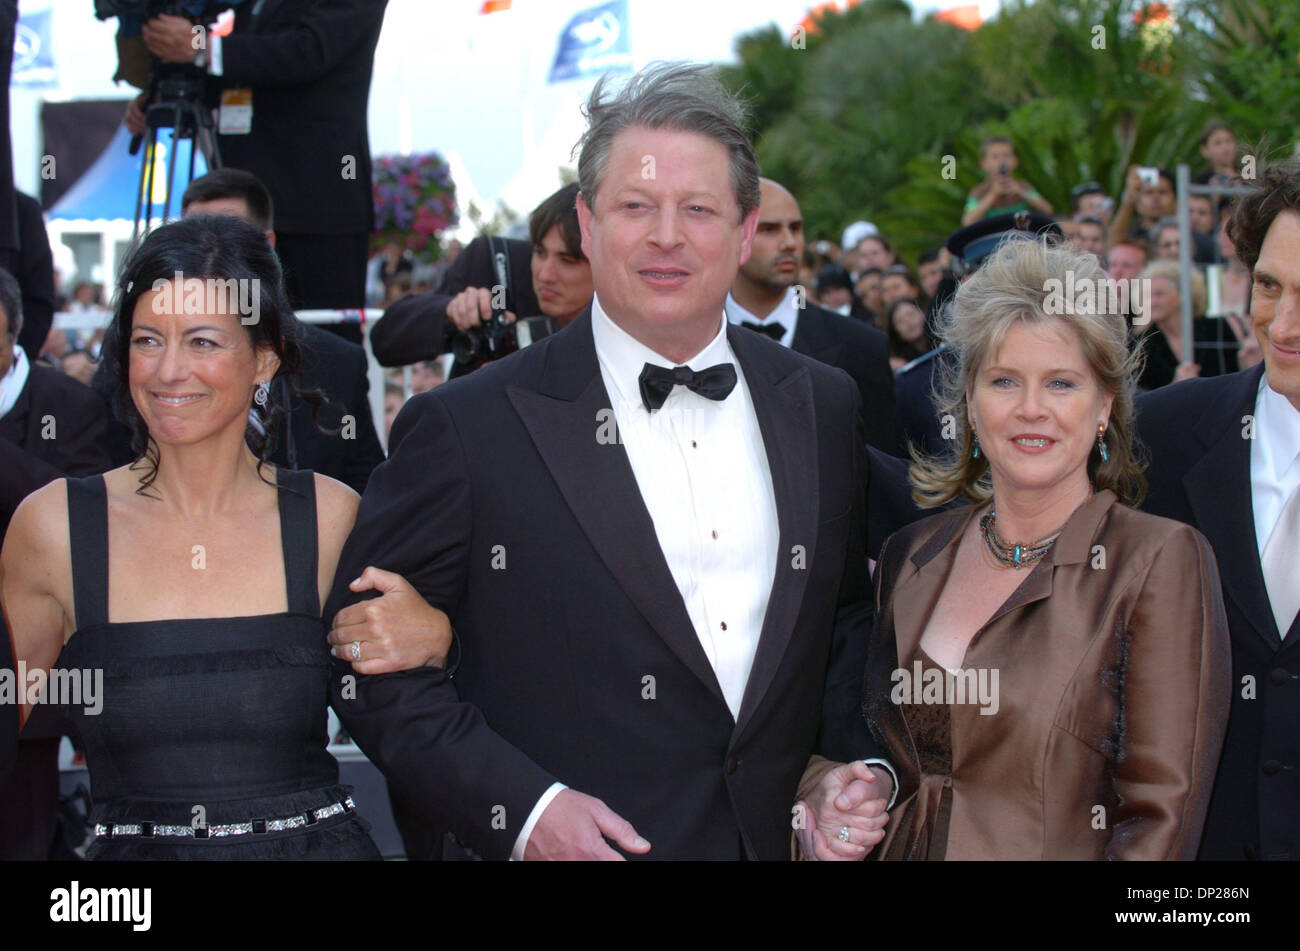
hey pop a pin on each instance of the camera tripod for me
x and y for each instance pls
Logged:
(180, 108)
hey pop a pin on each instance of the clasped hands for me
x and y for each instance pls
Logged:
(399, 630)
(849, 797)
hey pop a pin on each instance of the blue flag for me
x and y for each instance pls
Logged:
(595, 41)
(33, 60)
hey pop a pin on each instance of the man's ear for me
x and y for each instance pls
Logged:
(748, 228)
(270, 238)
(584, 225)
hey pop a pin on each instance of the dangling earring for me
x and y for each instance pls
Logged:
(975, 445)
(1101, 443)
(261, 393)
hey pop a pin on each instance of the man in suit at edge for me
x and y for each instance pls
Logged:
(763, 298)
(663, 611)
(303, 69)
(1225, 458)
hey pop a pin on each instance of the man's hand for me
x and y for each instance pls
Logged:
(1187, 371)
(170, 38)
(574, 827)
(471, 307)
(134, 120)
(397, 631)
(849, 796)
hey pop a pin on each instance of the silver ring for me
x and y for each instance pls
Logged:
(844, 834)
(356, 650)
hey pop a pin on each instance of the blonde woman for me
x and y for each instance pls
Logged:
(1049, 676)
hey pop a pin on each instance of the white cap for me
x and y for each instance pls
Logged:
(855, 232)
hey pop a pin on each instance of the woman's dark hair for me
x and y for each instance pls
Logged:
(215, 247)
(907, 349)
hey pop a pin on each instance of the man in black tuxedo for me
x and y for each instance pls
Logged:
(764, 298)
(648, 532)
(1225, 458)
(345, 445)
(306, 66)
(51, 426)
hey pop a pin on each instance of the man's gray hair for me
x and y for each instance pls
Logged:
(11, 301)
(686, 97)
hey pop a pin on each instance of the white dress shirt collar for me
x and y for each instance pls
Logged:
(1274, 459)
(623, 356)
(1278, 422)
(786, 313)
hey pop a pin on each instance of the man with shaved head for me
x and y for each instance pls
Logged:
(765, 298)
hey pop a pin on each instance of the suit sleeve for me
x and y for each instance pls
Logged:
(436, 750)
(35, 275)
(304, 51)
(843, 732)
(363, 453)
(876, 381)
(413, 328)
(1175, 690)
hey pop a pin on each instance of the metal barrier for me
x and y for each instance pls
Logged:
(1185, 187)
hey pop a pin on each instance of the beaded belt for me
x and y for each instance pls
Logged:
(149, 830)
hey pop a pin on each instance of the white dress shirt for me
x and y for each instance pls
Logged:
(702, 471)
(785, 313)
(1274, 459)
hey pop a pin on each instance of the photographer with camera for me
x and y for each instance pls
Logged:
(475, 312)
(293, 79)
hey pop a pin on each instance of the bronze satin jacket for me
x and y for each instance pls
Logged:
(1114, 674)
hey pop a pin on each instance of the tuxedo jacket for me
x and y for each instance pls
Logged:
(1196, 433)
(308, 64)
(504, 506)
(413, 328)
(330, 364)
(338, 368)
(58, 428)
(863, 353)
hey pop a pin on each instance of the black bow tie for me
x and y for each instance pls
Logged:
(713, 383)
(774, 329)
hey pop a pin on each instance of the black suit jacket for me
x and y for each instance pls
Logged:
(413, 328)
(58, 428)
(863, 353)
(501, 505)
(308, 64)
(330, 364)
(337, 367)
(1200, 474)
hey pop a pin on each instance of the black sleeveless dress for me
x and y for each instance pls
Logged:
(217, 725)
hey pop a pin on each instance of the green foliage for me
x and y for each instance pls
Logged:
(858, 123)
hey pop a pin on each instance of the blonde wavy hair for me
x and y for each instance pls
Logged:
(1014, 284)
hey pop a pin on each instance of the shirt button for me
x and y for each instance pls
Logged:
(692, 443)
(715, 533)
(724, 625)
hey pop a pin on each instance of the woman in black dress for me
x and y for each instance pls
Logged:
(1214, 345)
(194, 577)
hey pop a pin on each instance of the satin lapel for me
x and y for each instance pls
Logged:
(1218, 490)
(783, 403)
(564, 417)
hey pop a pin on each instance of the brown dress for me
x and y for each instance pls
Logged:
(927, 814)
